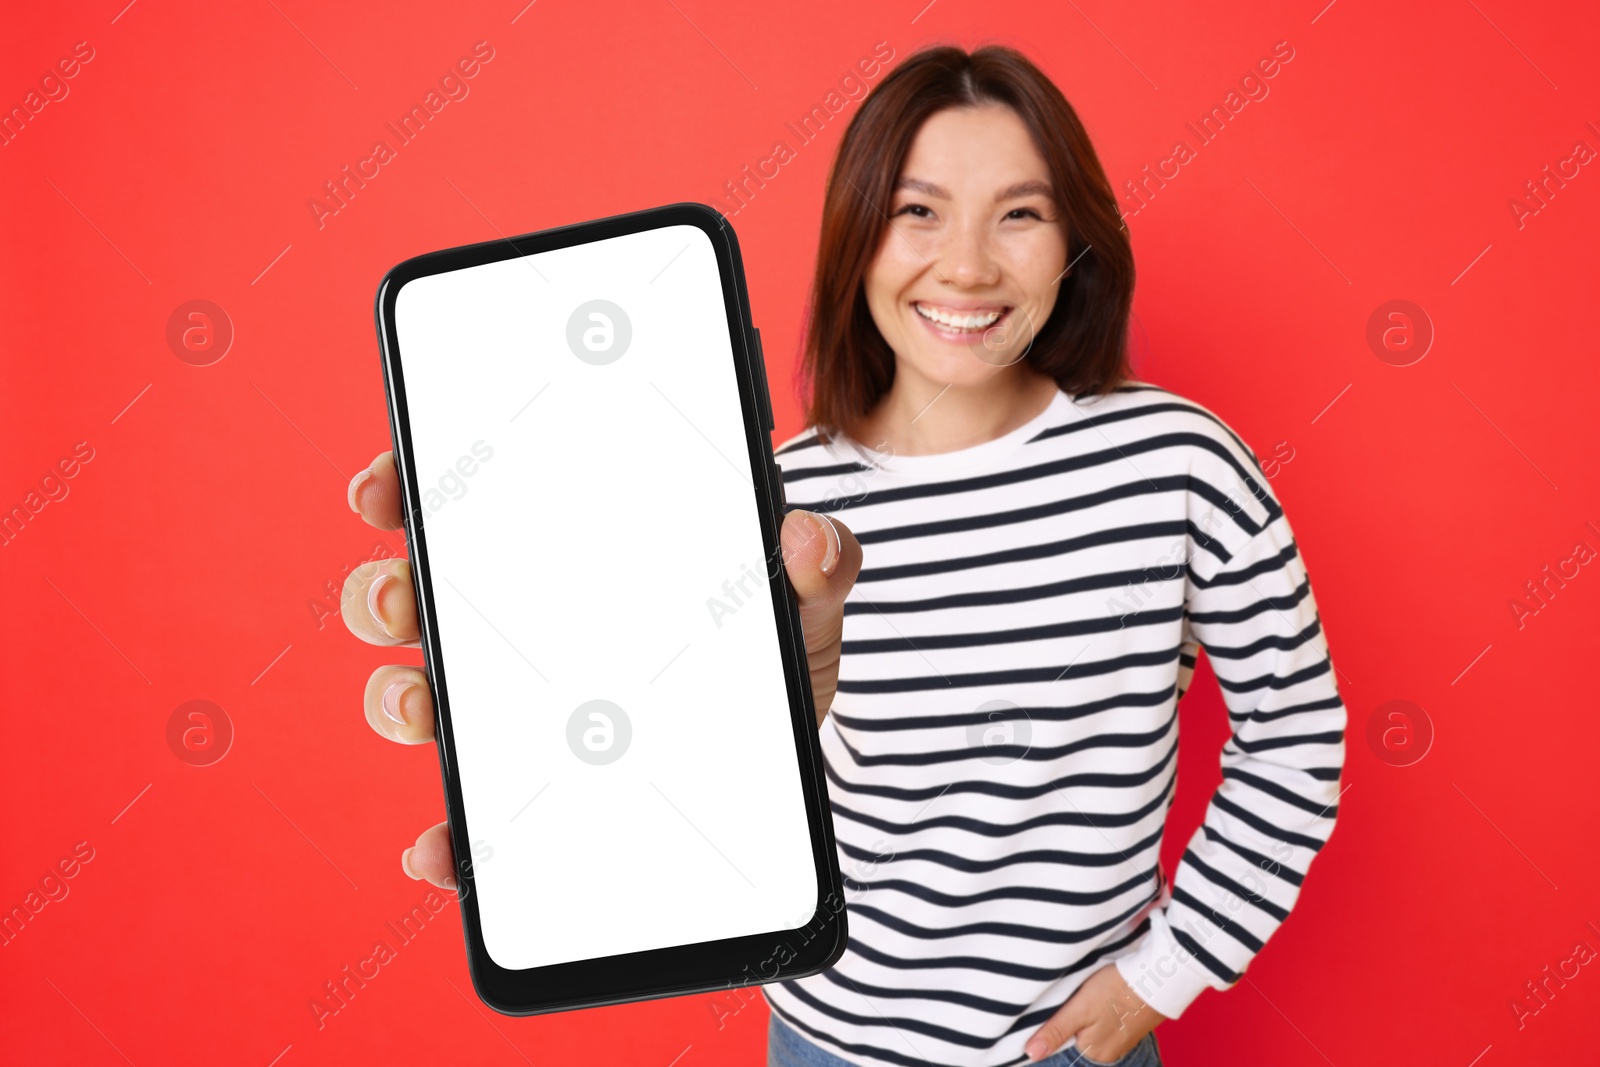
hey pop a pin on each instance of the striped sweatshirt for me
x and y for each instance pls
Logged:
(1001, 753)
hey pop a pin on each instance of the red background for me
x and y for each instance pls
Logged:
(1380, 166)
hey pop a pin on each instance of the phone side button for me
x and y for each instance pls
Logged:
(761, 369)
(783, 496)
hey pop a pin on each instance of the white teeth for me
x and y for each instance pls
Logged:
(958, 322)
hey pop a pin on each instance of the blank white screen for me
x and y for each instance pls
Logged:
(592, 534)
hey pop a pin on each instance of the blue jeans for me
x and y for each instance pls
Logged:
(788, 1047)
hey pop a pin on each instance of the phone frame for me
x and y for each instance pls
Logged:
(706, 966)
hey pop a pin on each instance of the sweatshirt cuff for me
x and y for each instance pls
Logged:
(1164, 973)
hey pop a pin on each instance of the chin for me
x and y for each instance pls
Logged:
(957, 368)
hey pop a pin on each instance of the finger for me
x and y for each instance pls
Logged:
(1055, 1032)
(379, 603)
(431, 859)
(399, 705)
(822, 558)
(374, 493)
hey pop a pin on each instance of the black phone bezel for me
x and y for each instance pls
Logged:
(676, 970)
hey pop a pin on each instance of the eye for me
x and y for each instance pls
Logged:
(915, 208)
(1023, 211)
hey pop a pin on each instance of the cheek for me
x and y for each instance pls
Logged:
(1040, 260)
(1036, 266)
(908, 250)
(886, 280)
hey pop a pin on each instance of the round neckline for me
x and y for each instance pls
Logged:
(944, 463)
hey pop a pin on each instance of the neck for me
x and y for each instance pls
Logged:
(921, 416)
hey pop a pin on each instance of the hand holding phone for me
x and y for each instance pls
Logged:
(591, 542)
(390, 618)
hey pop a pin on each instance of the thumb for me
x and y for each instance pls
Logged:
(822, 558)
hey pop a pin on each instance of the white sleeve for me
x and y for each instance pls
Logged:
(1241, 873)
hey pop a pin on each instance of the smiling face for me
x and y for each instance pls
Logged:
(970, 265)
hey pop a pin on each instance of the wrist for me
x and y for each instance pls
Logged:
(1161, 972)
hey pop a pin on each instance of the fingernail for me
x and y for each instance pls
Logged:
(374, 593)
(830, 557)
(1036, 1050)
(405, 865)
(355, 487)
(392, 698)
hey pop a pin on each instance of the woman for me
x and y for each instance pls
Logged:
(1038, 544)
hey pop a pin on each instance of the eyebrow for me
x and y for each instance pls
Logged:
(1021, 189)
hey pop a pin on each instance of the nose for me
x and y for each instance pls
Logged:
(966, 259)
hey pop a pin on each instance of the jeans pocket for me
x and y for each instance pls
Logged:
(1141, 1055)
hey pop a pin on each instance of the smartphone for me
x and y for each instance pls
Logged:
(625, 722)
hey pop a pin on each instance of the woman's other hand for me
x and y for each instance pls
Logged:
(1104, 1014)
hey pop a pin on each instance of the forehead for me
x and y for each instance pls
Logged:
(976, 149)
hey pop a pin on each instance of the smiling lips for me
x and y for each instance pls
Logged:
(961, 322)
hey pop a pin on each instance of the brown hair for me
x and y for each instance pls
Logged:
(846, 366)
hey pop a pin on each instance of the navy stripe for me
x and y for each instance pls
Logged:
(980, 638)
(1063, 713)
(1013, 676)
(1212, 964)
(1022, 553)
(856, 604)
(1011, 752)
(1218, 878)
(1233, 929)
(1062, 857)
